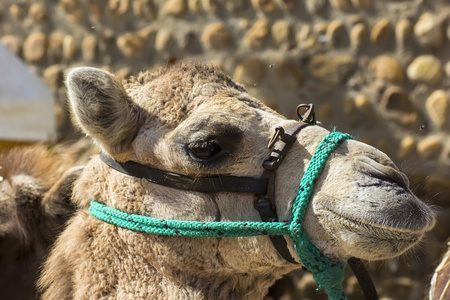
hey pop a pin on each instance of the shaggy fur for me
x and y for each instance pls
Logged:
(35, 188)
(159, 119)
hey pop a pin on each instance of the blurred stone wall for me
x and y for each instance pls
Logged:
(376, 69)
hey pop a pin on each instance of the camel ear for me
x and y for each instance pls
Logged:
(102, 108)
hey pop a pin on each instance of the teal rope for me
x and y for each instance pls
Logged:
(329, 277)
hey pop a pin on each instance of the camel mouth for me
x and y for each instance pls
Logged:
(385, 230)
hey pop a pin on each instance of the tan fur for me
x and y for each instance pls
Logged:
(35, 187)
(191, 103)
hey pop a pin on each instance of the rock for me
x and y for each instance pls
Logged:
(358, 36)
(34, 47)
(163, 40)
(362, 3)
(381, 32)
(55, 47)
(15, 11)
(362, 103)
(256, 35)
(37, 12)
(428, 31)
(403, 30)
(89, 48)
(123, 73)
(438, 186)
(343, 5)
(436, 106)
(315, 7)
(286, 4)
(53, 76)
(12, 43)
(288, 75)
(94, 11)
(281, 32)
(425, 69)
(387, 68)
(72, 9)
(430, 146)
(216, 36)
(119, 7)
(266, 6)
(130, 45)
(235, 6)
(352, 288)
(69, 48)
(145, 9)
(337, 35)
(174, 7)
(332, 69)
(250, 72)
(407, 146)
(398, 288)
(397, 105)
(195, 6)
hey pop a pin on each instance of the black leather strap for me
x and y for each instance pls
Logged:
(366, 283)
(216, 183)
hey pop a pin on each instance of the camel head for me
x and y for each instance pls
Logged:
(193, 120)
(35, 187)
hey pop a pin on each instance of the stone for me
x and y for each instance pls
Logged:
(336, 34)
(281, 32)
(250, 72)
(37, 12)
(403, 30)
(94, 11)
(398, 288)
(397, 105)
(425, 69)
(362, 103)
(358, 36)
(257, 34)
(211, 6)
(174, 7)
(439, 186)
(53, 76)
(89, 48)
(381, 32)
(362, 3)
(145, 9)
(55, 47)
(430, 147)
(12, 43)
(332, 69)
(69, 48)
(34, 47)
(315, 7)
(406, 147)
(342, 5)
(119, 7)
(130, 45)
(216, 36)
(387, 68)
(123, 73)
(163, 40)
(437, 106)
(288, 75)
(286, 4)
(235, 6)
(15, 11)
(72, 9)
(429, 31)
(195, 6)
(265, 6)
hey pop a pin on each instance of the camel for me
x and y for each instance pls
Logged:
(440, 282)
(193, 120)
(35, 189)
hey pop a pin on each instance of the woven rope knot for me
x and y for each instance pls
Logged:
(330, 279)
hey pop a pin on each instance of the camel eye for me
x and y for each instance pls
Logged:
(204, 150)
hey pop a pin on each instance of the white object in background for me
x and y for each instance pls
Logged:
(27, 110)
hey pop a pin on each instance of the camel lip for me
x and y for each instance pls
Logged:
(382, 231)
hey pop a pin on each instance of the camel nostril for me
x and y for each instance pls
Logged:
(384, 173)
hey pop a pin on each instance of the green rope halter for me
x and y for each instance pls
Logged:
(328, 276)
